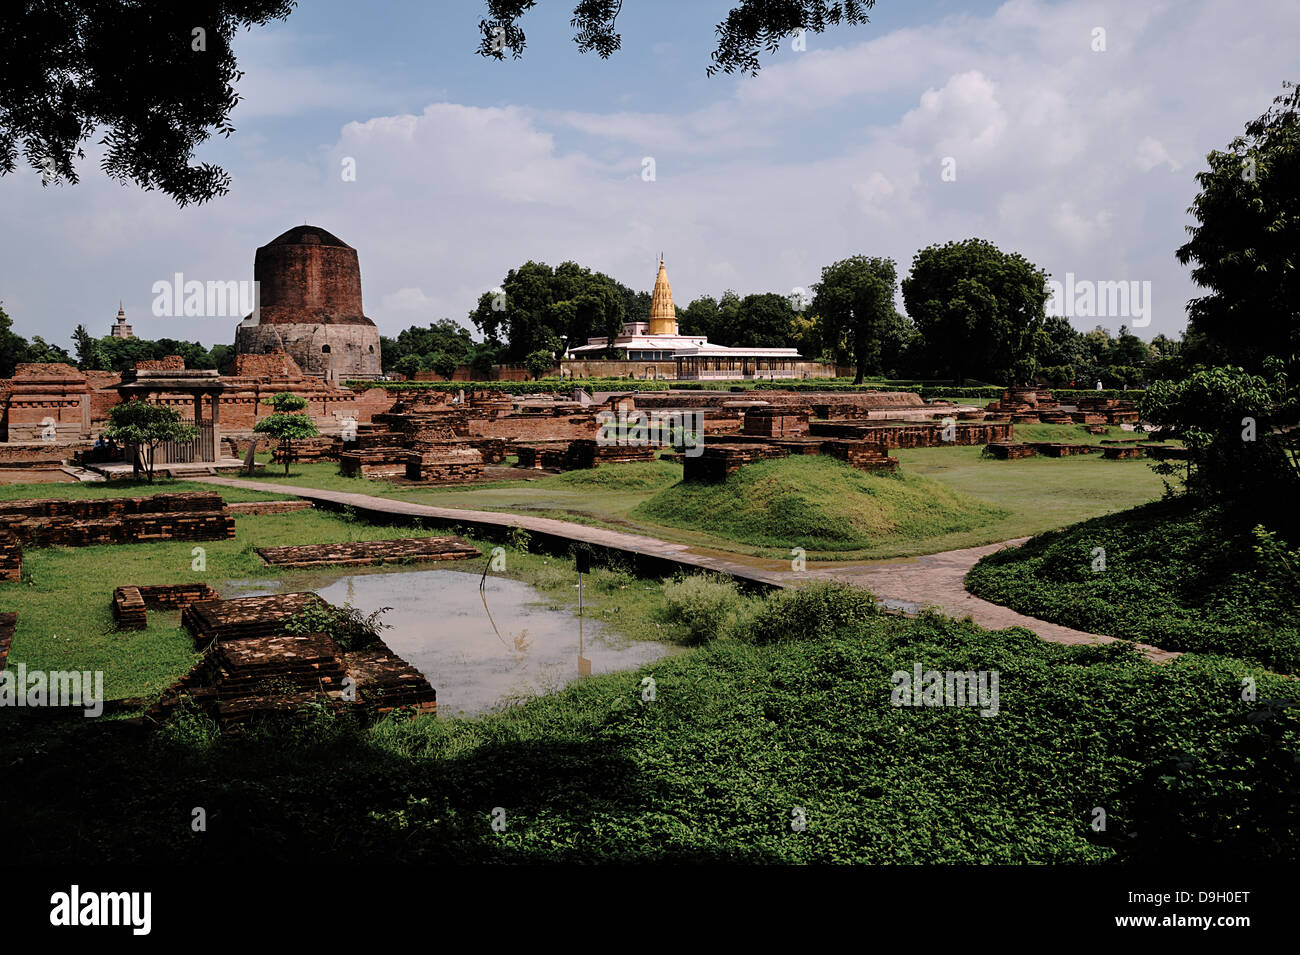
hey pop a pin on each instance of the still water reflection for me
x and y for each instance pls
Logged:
(439, 626)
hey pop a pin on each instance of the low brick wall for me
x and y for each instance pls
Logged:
(242, 508)
(1006, 451)
(1120, 452)
(915, 435)
(11, 556)
(130, 602)
(361, 553)
(445, 465)
(719, 461)
(197, 515)
(1052, 449)
(860, 454)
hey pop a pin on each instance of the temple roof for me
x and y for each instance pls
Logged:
(308, 235)
(663, 317)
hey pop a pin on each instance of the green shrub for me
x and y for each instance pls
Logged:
(707, 606)
(813, 612)
(347, 626)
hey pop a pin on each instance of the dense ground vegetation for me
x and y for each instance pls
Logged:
(1177, 574)
(741, 741)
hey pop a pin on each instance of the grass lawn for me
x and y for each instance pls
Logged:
(64, 601)
(999, 500)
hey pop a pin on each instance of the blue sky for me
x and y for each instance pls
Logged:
(1081, 160)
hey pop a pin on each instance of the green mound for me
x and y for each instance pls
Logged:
(1175, 575)
(639, 476)
(818, 503)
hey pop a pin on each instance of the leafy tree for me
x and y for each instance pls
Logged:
(13, 347)
(855, 302)
(89, 354)
(39, 350)
(700, 318)
(750, 26)
(287, 424)
(538, 308)
(764, 321)
(407, 366)
(1234, 425)
(444, 365)
(978, 309)
(139, 72)
(539, 362)
(1244, 245)
(223, 358)
(142, 426)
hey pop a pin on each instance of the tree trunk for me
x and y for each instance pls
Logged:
(285, 448)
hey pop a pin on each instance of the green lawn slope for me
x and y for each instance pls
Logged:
(1175, 575)
(820, 504)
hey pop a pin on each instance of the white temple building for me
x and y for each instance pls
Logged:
(658, 340)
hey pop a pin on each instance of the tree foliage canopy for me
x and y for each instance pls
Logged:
(750, 26)
(144, 426)
(979, 310)
(137, 71)
(1244, 245)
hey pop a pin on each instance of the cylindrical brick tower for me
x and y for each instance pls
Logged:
(309, 305)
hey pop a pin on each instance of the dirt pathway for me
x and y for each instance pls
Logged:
(907, 584)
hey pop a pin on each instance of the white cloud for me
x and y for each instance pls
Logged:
(829, 153)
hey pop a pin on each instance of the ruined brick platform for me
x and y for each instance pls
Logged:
(386, 682)
(1055, 449)
(1162, 452)
(243, 617)
(237, 681)
(242, 508)
(188, 516)
(1009, 450)
(11, 556)
(910, 435)
(718, 461)
(860, 454)
(443, 465)
(360, 553)
(1119, 452)
(252, 669)
(130, 602)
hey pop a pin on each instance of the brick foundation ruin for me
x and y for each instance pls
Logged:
(1009, 450)
(251, 668)
(188, 516)
(243, 508)
(11, 556)
(130, 602)
(362, 553)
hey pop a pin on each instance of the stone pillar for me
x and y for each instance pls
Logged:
(216, 425)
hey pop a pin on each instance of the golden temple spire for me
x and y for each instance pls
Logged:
(663, 317)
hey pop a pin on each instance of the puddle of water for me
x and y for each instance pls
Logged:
(439, 626)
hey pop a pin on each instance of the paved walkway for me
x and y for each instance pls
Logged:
(908, 584)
